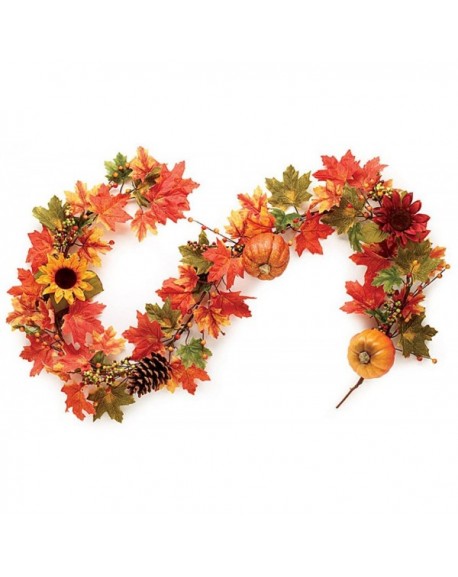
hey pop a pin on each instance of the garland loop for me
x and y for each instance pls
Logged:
(54, 303)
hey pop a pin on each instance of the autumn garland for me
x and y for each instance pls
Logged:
(54, 303)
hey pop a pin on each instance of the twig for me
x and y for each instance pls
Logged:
(360, 381)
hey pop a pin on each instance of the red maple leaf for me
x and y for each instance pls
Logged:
(231, 303)
(42, 245)
(210, 319)
(143, 221)
(180, 290)
(40, 353)
(364, 297)
(311, 231)
(81, 319)
(169, 195)
(224, 264)
(339, 171)
(110, 208)
(369, 175)
(28, 286)
(374, 258)
(146, 337)
(91, 245)
(186, 376)
(72, 359)
(77, 401)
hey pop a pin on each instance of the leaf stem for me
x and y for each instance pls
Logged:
(360, 381)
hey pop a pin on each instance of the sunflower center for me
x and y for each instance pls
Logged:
(400, 220)
(65, 278)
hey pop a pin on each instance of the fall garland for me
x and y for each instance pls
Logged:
(54, 303)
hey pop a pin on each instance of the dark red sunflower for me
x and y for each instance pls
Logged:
(398, 216)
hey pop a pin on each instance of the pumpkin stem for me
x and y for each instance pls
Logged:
(364, 358)
(265, 268)
(360, 381)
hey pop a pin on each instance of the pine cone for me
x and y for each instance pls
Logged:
(148, 375)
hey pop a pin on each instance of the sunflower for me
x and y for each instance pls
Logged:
(398, 216)
(66, 277)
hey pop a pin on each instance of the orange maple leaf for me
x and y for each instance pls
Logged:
(81, 320)
(255, 202)
(210, 319)
(72, 359)
(107, 342)
(144, 221)
(186, 376)
(40, 353)
(373, 257)
(142, 164)
(28, 286)
(42, 245)
(110, 208)
(80, 199)
(180, 290)
(224, 264)
(364, 296)
(310, 233)
(92, 245)
(339, 171)
(77, 400)
(231, 303)
(327, 196)
(146, 336)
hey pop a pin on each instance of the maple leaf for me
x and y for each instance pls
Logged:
(42, 245)
(72, 359)
(80, 199)
(28, 286)
(142, 165)
(415, 259)
(210, 319)
(81, 319)
(107, 342)
(365, 297)
(51, 217)
(373, 258)
(231, 303)
(39, 353)
(339, 171)
(224, 264)
(144, 221)
(77, 400)
(255, 202)
(411, 303)
(310, 233)
(327, 196)
(92, 245)
(255, 224)
(168, 317)
(192, 353)
(110, 208)
(413, 336)
(369, 175)
(341, 217)
(146, 337)
(292, 191)
(169, 196)
(237, 223)
(186, 376)
(192, 254)
(110, 400)
(180, 290)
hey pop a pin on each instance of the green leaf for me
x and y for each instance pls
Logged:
(165, 315)
(114, 173)
(97, 287)
(341, 217)
(371, 233)
(192, 255)
(353, 197)
(415, 259)
(413, 336)
(355, 237)
(388, 278)
(99, 357)
(292, 191)
(51, 217)
(191, 354)
(283, 220)
(203, 238)
(110, 400)
(58, 306)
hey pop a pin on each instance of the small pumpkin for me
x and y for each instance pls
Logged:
(371, 353)
(265, 256)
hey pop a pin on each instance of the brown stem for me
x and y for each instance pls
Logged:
(360, 381)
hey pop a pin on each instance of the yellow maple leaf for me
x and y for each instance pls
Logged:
(327, 196)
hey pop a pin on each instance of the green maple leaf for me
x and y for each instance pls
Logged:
(341, 217)
(291, 191)
(355, 236)
(413, 336)
(282, 220)
(165, 315)
(110, 400)
(371, 233)
(52, 216)
(353, 197)
(192, 255)
(191, 354)
(112, 168)
(415, 259)
(388, 278)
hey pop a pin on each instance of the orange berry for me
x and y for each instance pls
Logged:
(115, 175)
(447, 266)
(170, 348)
(120, 167)
(434, 361)
(203, 342)
(190, 219)
(177, 336)
(205, 356)
(216, 230)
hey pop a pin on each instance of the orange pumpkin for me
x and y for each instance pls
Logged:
(371, 353)
(265, 256)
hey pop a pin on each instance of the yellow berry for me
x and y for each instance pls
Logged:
(190, 219)
(434, 361)
(115, 175)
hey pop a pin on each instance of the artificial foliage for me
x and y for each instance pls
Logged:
(55, 304)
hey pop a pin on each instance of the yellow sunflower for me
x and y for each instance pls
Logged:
(66, 277)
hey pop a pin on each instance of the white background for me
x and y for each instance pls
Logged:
(257, 474)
